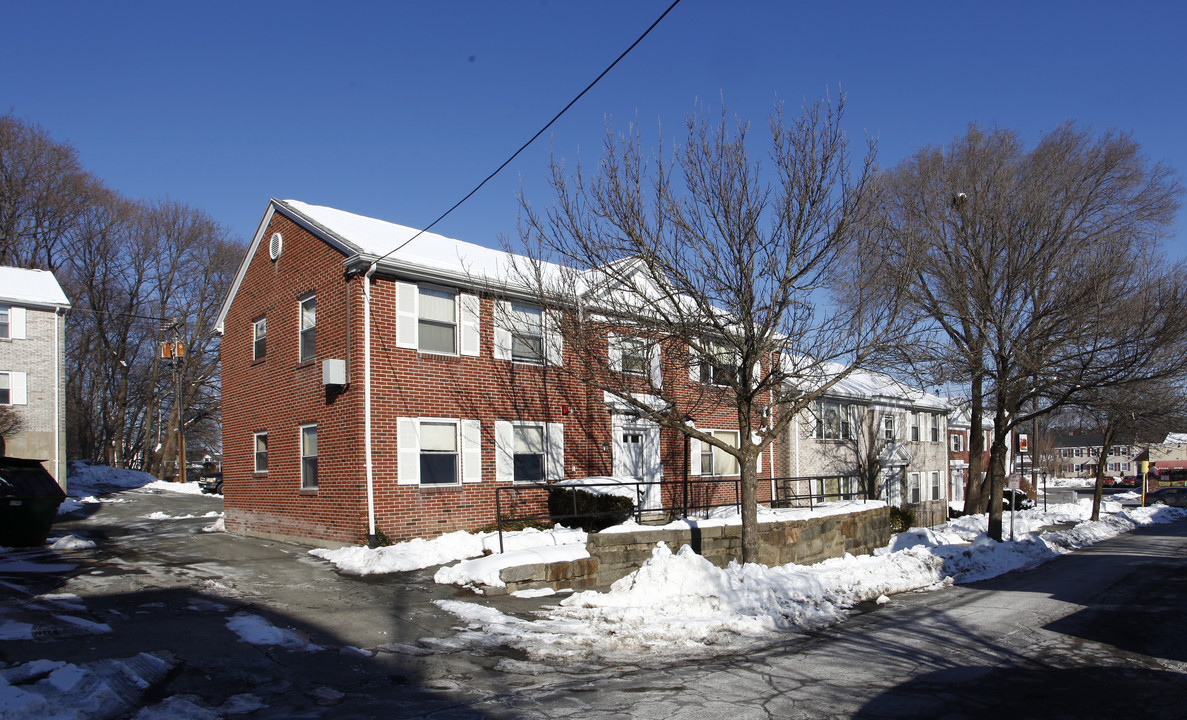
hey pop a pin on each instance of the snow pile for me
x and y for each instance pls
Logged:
(679, 603)
(70, 542)
(65, 691)
(166, 516)
(258, 631)
(606, 485)
(485, 570)
(420, 553)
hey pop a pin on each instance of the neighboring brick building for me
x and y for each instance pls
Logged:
(460, 404)
(959, 426)
(32, 374)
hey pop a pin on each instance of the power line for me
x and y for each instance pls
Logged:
(539, 132)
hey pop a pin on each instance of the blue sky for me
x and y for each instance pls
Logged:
(397, 109)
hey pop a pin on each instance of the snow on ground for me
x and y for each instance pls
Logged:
(258, 631)
(680, 604)
(420, 553)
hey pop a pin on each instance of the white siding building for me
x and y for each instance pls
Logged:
(32, 374)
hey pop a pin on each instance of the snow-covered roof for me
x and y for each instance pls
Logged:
(372, 238)
(878, 387)
(1175, 439)
(22, 286)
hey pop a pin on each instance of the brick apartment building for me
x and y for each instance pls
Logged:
(32, 367)
(460, 405)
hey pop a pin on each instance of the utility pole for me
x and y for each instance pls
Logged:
(173, 352)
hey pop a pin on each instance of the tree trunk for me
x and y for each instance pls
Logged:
(997, 474)
(1098, 492)
(749, 505)
(973, 497)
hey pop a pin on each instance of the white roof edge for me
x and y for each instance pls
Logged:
(31, 287)
(242, 271)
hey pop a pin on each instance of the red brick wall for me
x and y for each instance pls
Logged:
(279, 394)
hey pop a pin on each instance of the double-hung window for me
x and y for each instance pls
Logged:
(5, 388)
(957, 442)
(714, 460)
(308, 327)
(635, 358)
(437, 321)
(261, 452)
(259, 332)
(888, 427)
(529, 453)
(438, 452)
(13, 389)
(527, 333)
(309, 457)
(916, 420)
(913, 490)
(936, 490)
(833, 423)
(935, 428)
(5, 322)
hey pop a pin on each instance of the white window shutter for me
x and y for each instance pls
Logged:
(18, 391)
(470, 323)
(407, 315)
(471, 451)
(657, 370)
(694, 366)
(614, 352)
(504, 451)
(554, 343)
(694, 456)
(554, 451)
(408, 445)
(502, 331)
(16, 323)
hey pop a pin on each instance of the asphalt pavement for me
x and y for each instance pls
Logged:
(1097, 633)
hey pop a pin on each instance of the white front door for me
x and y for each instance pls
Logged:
(636, 455)
(892, 486)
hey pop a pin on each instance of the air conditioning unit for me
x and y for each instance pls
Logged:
(333, 372)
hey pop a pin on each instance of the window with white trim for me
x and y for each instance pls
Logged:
(937, 491)
(888, 427)
(13, 390)
(308, 328)
(5, 318)
(833, 421)
(309, 457)
(528, 451)
(714, 460)
(259, 333)
(527, 333)
(935, 428)
(437, 321)
(957, 441)
(635, 356)
(715, 367)
(916, 419)
(439, 461)
(261, 452)
(914, 492)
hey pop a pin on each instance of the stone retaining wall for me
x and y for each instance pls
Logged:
(615, 555)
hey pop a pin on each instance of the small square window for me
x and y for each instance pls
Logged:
(635, 358)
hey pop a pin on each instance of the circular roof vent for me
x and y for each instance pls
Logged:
(275, 245)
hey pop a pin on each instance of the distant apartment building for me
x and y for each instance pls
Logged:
(32, 375)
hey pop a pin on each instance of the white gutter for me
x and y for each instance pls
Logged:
(59, 350)
(371, 534)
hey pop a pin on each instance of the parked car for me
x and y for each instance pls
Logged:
(212, 483)
(1173, 496)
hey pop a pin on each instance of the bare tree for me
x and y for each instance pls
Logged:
(721, 266)
(1034, 268)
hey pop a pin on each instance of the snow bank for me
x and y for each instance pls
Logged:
(420, 553)
(679, 603)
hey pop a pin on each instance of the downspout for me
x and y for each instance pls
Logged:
(372, 537)
(59, 350)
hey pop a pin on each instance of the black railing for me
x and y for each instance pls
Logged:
(676, 498)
